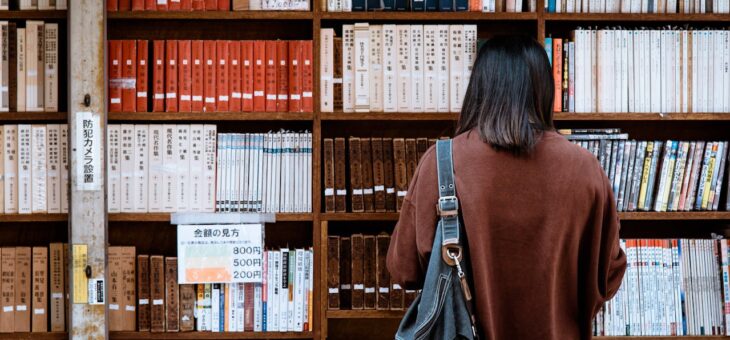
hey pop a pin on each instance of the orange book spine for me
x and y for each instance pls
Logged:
(247, 75)
(115, 75)
(270, 77)
(198, 75)
(184, 75)
(158, 76)
(138, 5)
(234, 76)
(150, 5)
(282, 73)
(224, 5)
(173, 5)
(198, 5)
(112, 5)
(558, 74)
(211, 5)
(125, 5)
(171, 76)
(295, 76)
(222, 75)
(209, 75)
(307, 76)
(162, 5)
(129, 76)
(186, 5)
(259, 75)
(142, 75)
(475, 6)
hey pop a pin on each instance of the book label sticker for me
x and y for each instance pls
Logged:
(230, 253)
(96, 291)
(88, 156)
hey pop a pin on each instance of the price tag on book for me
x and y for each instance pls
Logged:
(228, 253)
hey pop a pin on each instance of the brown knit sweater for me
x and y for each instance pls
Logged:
(542, 231)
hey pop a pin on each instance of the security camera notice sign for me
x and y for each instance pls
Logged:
(229, 253)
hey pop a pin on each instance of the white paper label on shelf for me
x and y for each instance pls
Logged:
(379, 188)
(88, 158)
(171, 95)
(295, 97)
(185, 97)
(329, 192)
(236, 95)
(390, 190)
(21, 308)
(357, 191)
(144, 301)
(247, 96)
(7, 309)
(113, 306)
(115, 100)
(307, 94)
(396, 286)
(158, 302)
(384, 290)
(402, 193)
(159, 96)
(39, 311)
(271, 97)
(197, 98)
(358, 286)
(223, 98)
(142, 94)
(129, 308)
(258, 93)
(57, 296)
(210, 100)
(283, 97)
(333, 290)
(369, 290)
(341, 192)
(96, 291)
(368, 191)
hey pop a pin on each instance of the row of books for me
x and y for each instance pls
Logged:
(211, 75)
(396, 68)
(509, 6)
(206, 5)
(617, 70)
(380, 170)
(148, 297)
(34, 293)
(357, 276)
(671, 287)
(29, 66)
(659, 175)
(29, 5)
(637, 6)
(264, 172)
(34, 169)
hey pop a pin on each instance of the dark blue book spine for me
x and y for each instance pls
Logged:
(358, 5)
(432, 5)
(401, 5)
(222, 308)
(375, 5)
(388, 5)
(446, 5)
(461, 5)
(418, 5)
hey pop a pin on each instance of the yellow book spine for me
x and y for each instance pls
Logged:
(645, 175)
(227, 308)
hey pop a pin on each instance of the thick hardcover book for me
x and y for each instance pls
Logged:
(247, 76)
(383, 276)
(116, 288)
(357, 249)
(234, 76)
(142, 75)
(411, 158)
(282, 76)
(326, 71)
(115, 75)
(198, 75)
(172, 303)
(337, 75)
(389, 174)
(558, 74)
(376, 146)
(345, 273)
(57, 284)
(7, 286)
(184, 75)
(396, 296)
(367, 174)
(369, 265)
(401, 171)
(270, 75)
(356, 193)
(259, 75)
(12, 58)
(129, 75)
(295, 75)
(421, 148)
(340, 159)
(329, 175)
(333, 272)
(143, 293)
(222, 74)
(39, 308)
(307, 75)
(187, 307)
(209, 75)
(157, 293)
(158, 76)
(128, 301)
(23, 279)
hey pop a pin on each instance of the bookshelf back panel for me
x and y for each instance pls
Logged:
(674, 229)
(371, 329)
(32, 233)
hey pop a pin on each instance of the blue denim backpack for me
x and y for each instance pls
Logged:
(443, 309)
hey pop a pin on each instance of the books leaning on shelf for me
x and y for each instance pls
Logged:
(281, 303)
(658, 175)
(29, 67)
(380, 170)
(396, 68)
(264, 172)
(637, 6)
(357, 276)
(206, 5)
(431, 5)
(210, 76)
(24, 5)
(34, 169)
(616, 70)
(671, 287)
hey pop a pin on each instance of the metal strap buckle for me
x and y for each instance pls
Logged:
(448, 206)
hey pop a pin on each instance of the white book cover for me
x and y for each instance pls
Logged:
(326, 55)
(717, 71)
(113, 168)
(155, 168)
(655, 84)
(127, 168)
(45, 5)
(299, 291)
(21, 67)
(10, 166)
(53, 178)
(4, 5)
(361, 65)
(209, 163)
(390, 59)
(219, 161)
(284, 291)
(430, 69)
(290, 295)
(231, 312)
(63, 146)
(28, 4)
(183, 167)
(140, 177)
(2, 171)
(258, 318)
(309, 173)
(215, 300)
(348, 68)
(376, 68)
(726, 70)
(442, 57)
(403, 72)
(417, 80)
(456, 67)
(24, 169)
(470, 54)
(4, 67)
(39, 139)
(197, 165)
(272, 303)
(35, 65)
(169, 164)
(239, 306)
(50, 87)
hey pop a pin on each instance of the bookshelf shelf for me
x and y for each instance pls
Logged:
(626, 216)
(635, 17)
(33, 217)
(639, 116)
(209, 116)
(704, 337)
(33, 116)
(165, 217)
(35, 336)
(210, 335)
(383, 116)
(211, 15)
(428, 16)
(365, 314)
(34, 14)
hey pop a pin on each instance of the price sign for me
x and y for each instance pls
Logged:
(229, 253)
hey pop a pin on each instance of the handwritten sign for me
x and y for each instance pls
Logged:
(228, 253)
(88, 151)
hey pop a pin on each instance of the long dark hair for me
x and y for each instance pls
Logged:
(509, 99)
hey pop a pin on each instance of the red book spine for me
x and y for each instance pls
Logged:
(125, 5)
(115, 75)
(142, 75)
(198, 5)
(158, 76)
(234, 76)
(138, 5)
(184, 78)
(171, 76)
(186, 5)
(173, 5)
(270, 77)
(282, 73)
(295, 76)
(247, 55)
(222, 75)
(161, 5)
(211, 5)
(259, 75)
(112, 5)
(150, 5)
(224, 5)
(209, 75)
(129, 76)
(198, 75)
(558, 74)
(307, 76)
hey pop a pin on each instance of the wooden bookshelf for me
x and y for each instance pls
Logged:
(34, 15)
(35, 336)
(165, 217)
(208, 116)
(637, 17)
(211, 15)
(365, 314)
(33, 217)
(427, 16)
(33, 116)
(210, 335)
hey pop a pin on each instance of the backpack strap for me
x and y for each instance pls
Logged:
(448, 205)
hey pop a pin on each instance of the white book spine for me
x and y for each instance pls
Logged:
(417, 76)
(39, 140)
(127, 168)
(169, 165)
(470, 56)
(361, 65)
(10, 166)
(456, 67)
(63, 146)
(430, 69)
(24, 169)
(183, 167)
(4, 67)
(284, 290)
(299, 291)
(50, 87)
(442, 69)
(215, 308)
(240, 300)
(231, 312)
(273, 302)
(403, 72)
(21, 68)
(53, 179)
(197, 167)
(113, 170)
(376, 68)
(390, 46)
(31, 65)
(348, 68)
(141, 167)
(258, 304)
(209, 176)
(156, 150)
(326, 86)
